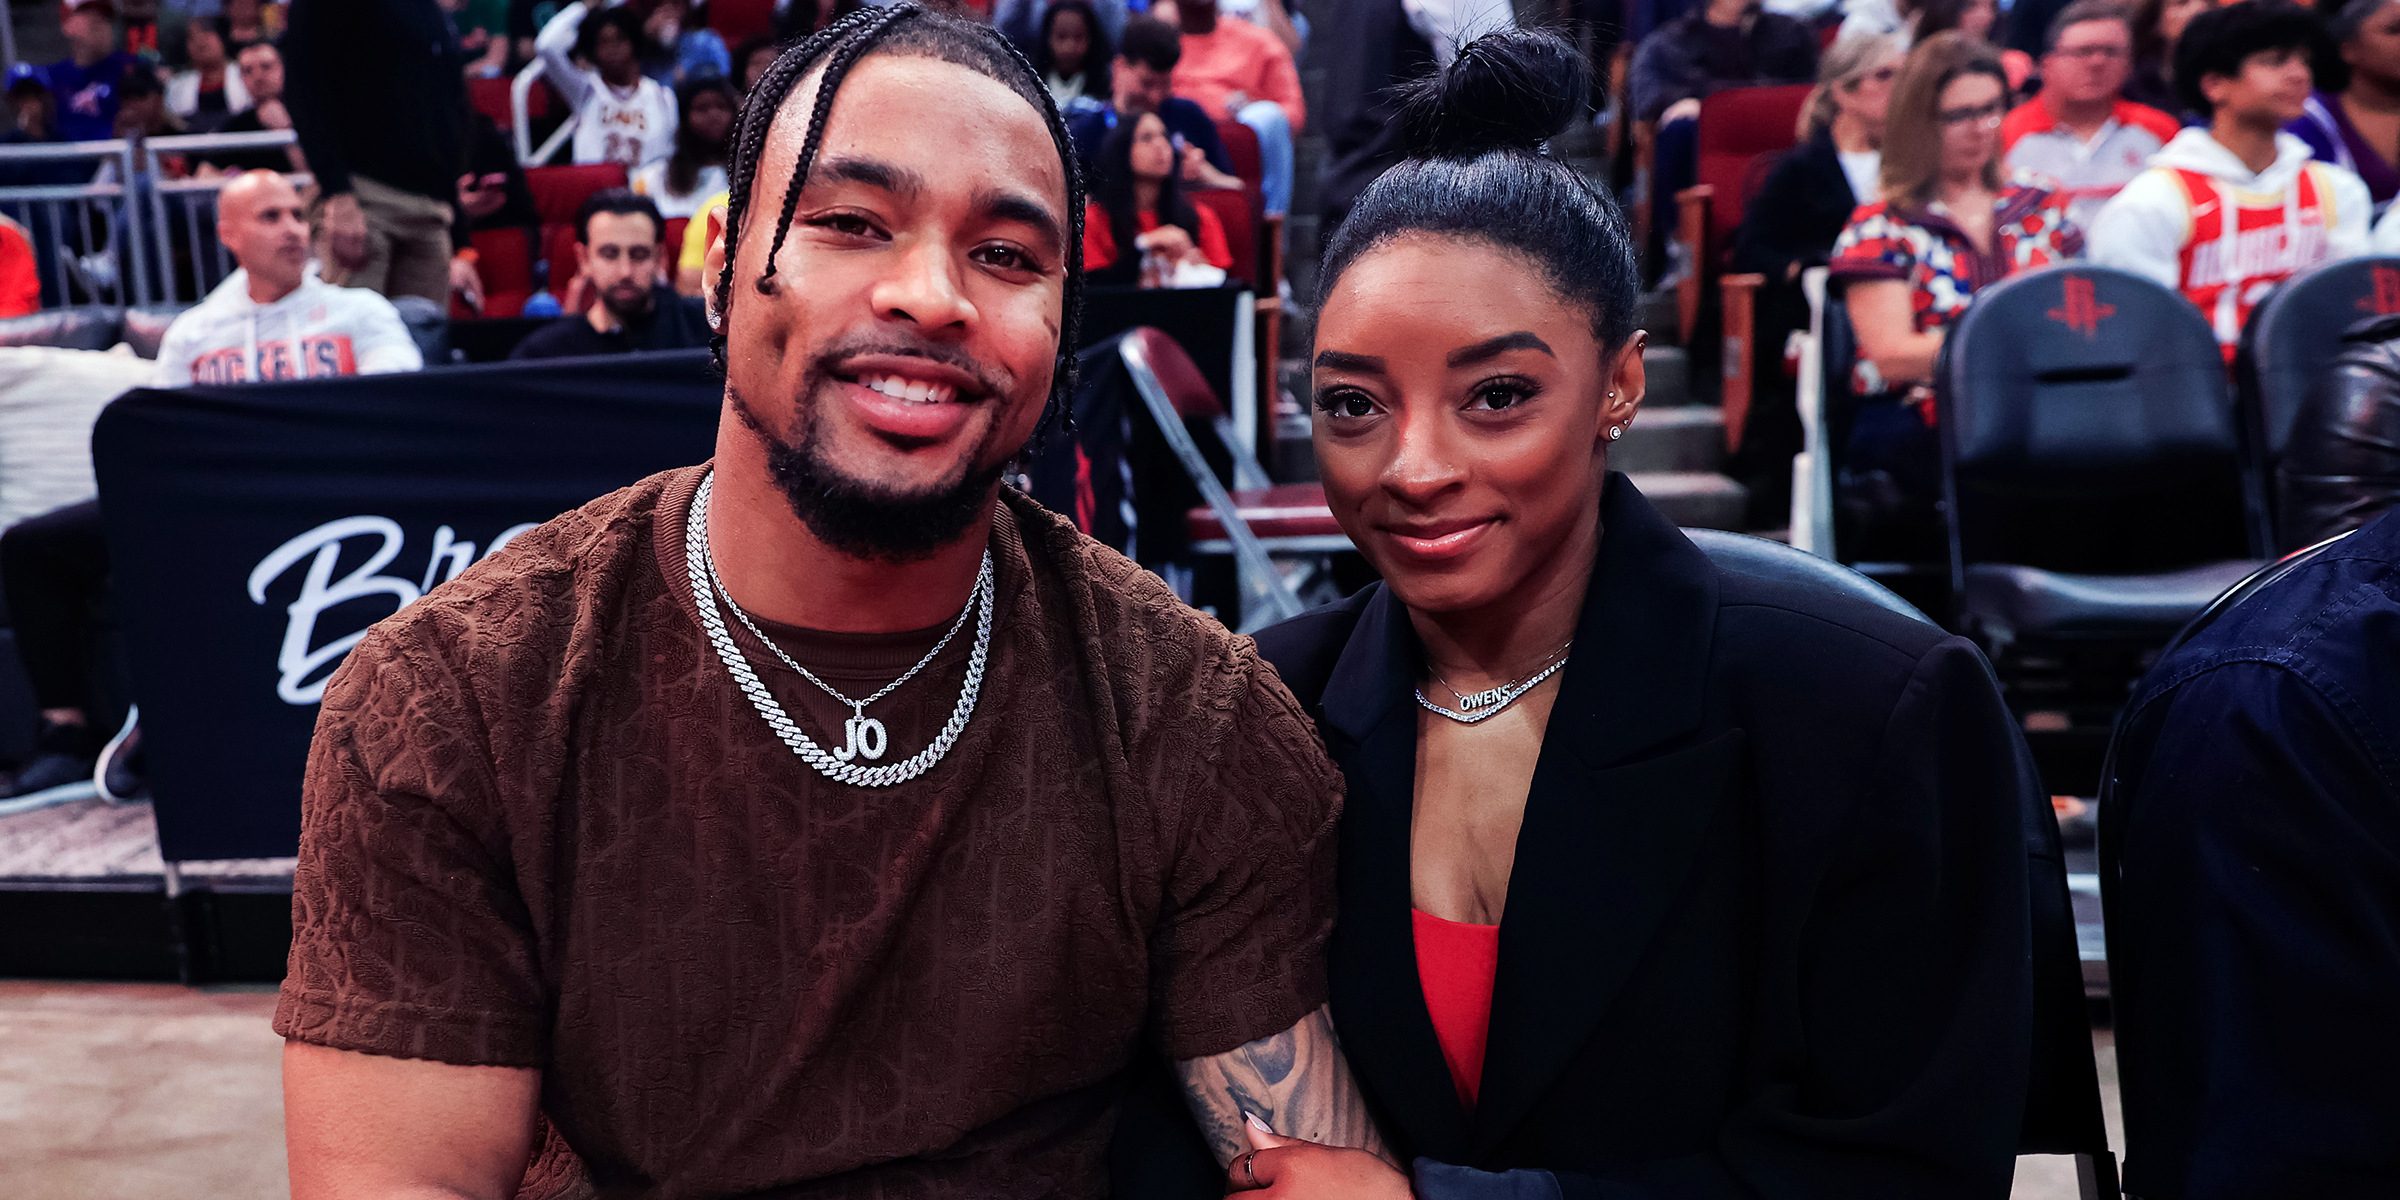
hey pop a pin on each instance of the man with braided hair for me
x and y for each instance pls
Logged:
(825, 819)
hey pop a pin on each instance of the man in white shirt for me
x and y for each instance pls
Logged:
(621, 115)
(274, 319)
(2081, 136)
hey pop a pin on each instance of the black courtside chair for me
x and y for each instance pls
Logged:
(2062, 1103)
(2290, 337)
(2116, 816)
(2094, 492)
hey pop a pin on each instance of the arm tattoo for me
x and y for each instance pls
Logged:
(1296, 1081)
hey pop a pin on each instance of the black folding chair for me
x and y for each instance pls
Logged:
(2095, 493)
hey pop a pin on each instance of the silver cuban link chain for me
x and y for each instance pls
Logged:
(866, 737)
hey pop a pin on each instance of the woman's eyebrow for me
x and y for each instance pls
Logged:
(1494, 347)
(1340, 360)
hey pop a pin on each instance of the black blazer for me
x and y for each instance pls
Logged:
(1798, 213)
(1767, 928)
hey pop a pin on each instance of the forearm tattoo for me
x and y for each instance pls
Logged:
(1296, 1081)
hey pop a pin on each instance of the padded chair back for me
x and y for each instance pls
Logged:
(146, 327)
(1241, 145)
(2062, 1103)
(505, 258)
(736, 20)
(2087, 426)
(1186, 389)
(559, 191)
(490, 97)
(80, 327)
(1741, 130)
(2297, 329)
(1235, 211)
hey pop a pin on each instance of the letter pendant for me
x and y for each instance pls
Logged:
(866, 737)
(1482, 699)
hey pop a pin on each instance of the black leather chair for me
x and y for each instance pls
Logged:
(2062, 1105)
(2095, 497)
(2294, 333)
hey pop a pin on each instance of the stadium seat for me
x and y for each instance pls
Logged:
(2095, 494)
(1741, 132)
(672, 237)
(490, 97)
(557, 193)
(1265, 258)
(737, 20)
(505, 258)
(1238, 213)
(2294, 333)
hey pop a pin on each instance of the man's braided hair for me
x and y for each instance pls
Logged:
(904, 29)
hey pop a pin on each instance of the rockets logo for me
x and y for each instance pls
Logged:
(318, 356)
(2385, 299)
(2080, 308)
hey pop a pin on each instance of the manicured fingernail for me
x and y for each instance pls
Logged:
(1255, 1123)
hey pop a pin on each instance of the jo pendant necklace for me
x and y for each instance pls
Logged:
(1491, 702)
(865, 736)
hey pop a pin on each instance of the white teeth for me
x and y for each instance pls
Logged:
(908, 390)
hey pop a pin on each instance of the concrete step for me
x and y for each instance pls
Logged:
(1686, 438)
(1668, 372)
(1658, 314)
(1694, 499)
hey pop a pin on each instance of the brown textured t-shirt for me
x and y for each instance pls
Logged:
(544, 828)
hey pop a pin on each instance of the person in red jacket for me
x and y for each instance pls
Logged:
(2081, 137)
(20, 282)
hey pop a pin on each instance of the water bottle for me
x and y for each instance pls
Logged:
(540, 304)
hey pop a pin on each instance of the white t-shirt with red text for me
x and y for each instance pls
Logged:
(316, 330)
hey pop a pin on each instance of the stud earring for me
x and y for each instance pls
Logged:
(1615, 432)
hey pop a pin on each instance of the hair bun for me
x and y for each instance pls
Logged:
(1510, 89)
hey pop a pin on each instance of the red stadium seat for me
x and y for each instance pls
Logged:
(505, 259)
(1237, 212)
(559, 191)
(490, 97)
(1741, 132)
(738, 20)
(1241, 145)
(673, 239)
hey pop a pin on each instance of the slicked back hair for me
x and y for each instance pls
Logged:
(906, 30)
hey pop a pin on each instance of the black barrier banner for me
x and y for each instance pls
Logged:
(256, 531)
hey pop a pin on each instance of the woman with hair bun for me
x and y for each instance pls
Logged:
(1655, 880)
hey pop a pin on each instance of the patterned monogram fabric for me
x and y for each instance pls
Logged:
(544, 829)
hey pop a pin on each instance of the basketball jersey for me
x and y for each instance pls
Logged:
(2243, 243)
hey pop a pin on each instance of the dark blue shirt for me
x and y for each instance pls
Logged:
(1090, 122)
(2255, 913)
(87, 97)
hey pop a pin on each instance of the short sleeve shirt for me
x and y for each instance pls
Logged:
(1940, 264)
(544, 828)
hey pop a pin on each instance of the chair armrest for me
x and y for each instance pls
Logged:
(1741, 304)
(1693, 204)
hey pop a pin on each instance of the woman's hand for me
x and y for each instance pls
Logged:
(1280, 1166)
(1170, 242)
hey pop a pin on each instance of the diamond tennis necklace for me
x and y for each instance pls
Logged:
(1491, 702)
(866, 736)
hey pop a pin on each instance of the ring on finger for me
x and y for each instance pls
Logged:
(1247, 1173)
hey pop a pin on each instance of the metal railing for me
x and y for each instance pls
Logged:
(520, 92)
(104, 224)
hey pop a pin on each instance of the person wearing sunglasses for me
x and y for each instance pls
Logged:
(1943, 226)
(1790, 226)
(2227, 212)
(2081, 136)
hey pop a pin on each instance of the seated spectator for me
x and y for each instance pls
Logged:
(86, 82)
(276, 320)
(622, 116)
(1140, 79)
(751, 60)
(2341, 465)
(250, 22)
(492, 194)
(1790, 226)
(1072, 52)
(1026, 24)
(2157, 25)
(692, 260)
(2251, 943)
(206, 94)
(1235, 69)
(142, 111)
(1878, 18)
(271, 320)
(32, 107)
(1722, 44)
(2080, 137)
(703, 137)
(1383, 44)
(482, 27)
(2225, 213)
(1976, 19)
(20, 278)
(796, 19)
(1289, 27)
(262, 79)
(2358, 128)
(618, 256)
(1943, 226)
(1138, 228)
(680, 49)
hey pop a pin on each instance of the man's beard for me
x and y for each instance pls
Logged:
(632, 310)
(855, 517)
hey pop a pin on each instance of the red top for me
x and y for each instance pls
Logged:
(1455, 964)
(1100, 242)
